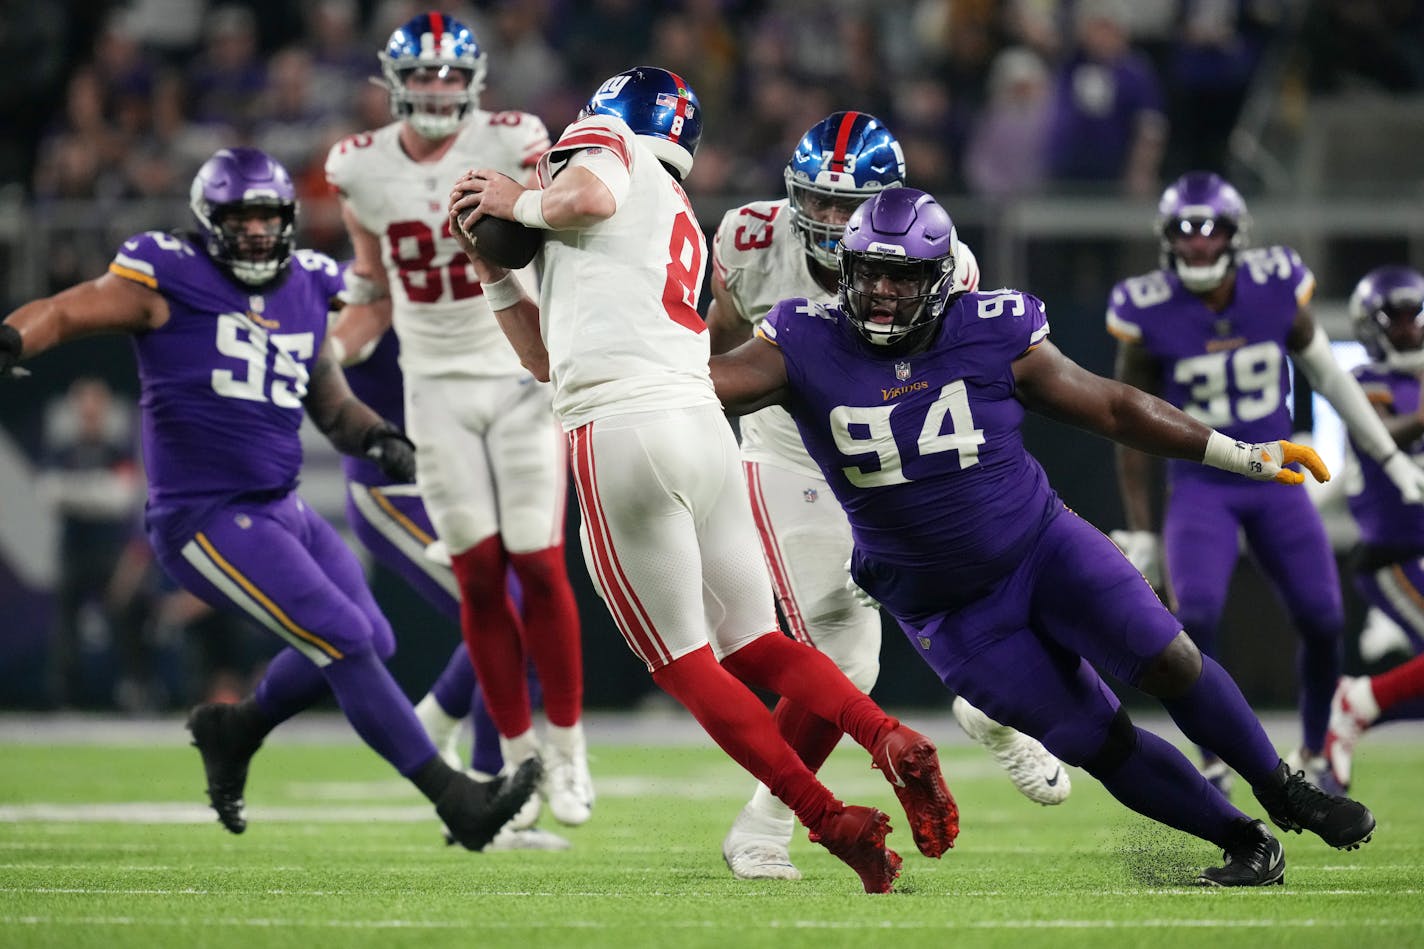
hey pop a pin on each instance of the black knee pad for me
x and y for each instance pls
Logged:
(1120, 741)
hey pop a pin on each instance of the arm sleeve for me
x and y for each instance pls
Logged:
(1344, 393)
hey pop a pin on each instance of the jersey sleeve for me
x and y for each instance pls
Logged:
(966, 270)
(1008, 323)
(330, 276)
(156, 260)
(743, 238)
(343, 172)
(1301, 279)
(596, 131)
(528, 134)
(1123, 319)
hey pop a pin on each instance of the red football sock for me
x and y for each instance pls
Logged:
(551, 631)
(492, 635)
(738, 722)
(810, 736)
(809, 678)
(1399, 684)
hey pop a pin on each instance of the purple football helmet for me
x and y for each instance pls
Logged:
(1389, 302)
(231, 187)
(897, 261)
(1201, 202)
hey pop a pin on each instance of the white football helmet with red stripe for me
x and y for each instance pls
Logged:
(841, 161)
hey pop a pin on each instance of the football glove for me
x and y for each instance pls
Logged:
(1264, 461)
(1406, 475)
(392, 452)
(861, 597)
(10, 348)
(1144, 550)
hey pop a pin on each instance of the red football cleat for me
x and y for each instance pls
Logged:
(910, 764)
(857, 836)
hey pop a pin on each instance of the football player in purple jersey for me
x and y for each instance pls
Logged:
(1209, 332)
(1387, 310)
(910, 397)
(229, 327)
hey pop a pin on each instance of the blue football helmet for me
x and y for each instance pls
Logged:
(1387, 311)
(444, 44)
(897, 262)
(840, 162)
(659, 107)
(233, 184)
(1205, 203)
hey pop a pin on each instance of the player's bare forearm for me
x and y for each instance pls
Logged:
(1051, 384)
(725, 327)
(749, 378)
(334, 409)
(358, 329)
(520, 324)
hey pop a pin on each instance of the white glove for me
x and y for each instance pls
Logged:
(1144, 550)
(1406, 475)
(861, 597)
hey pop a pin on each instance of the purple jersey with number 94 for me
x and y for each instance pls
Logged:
(223, 380)
(1228, 369)
(923, 451)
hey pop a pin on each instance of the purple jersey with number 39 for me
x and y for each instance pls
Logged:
(1227, 369)
(223, 379)
(923, 451)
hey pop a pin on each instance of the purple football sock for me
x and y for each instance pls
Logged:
(379, 711)
(485, 754)
(291, 684)
(1157, 781)
(1318, 662)
(1407, 710)
(457, 680)
(1214, 714)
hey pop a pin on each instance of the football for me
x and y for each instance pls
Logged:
(506, 243)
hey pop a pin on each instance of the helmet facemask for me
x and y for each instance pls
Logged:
(819, 213)
(1199, 277)
(233, 189)
(433, 113)
(893, 301)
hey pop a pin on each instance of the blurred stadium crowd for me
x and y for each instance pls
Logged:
(989, 97)
(110, 108)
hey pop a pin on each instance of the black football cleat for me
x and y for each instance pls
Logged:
(226, 755)
(1295, 804)
(474, 811)
(1254, 857)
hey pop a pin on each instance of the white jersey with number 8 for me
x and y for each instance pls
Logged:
(618, 300)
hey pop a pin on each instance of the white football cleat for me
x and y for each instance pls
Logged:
(567, 785)
(1353, 710)
(527, 838)
(1037, 774)
(756, 848)
(1381, 636)
(443, 730)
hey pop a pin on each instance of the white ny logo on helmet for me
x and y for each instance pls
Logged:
(610, 89)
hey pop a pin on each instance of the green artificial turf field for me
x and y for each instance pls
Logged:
(106, 845)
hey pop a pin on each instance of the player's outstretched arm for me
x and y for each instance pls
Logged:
(1136, 470)
(725, 326)
(366, 299)
(750, 377)
(1051, 384)
(106, 304)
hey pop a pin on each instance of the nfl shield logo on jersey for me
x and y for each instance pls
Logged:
(810, 495)
(902, 370)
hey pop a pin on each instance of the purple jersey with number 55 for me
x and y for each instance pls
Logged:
(1226, 369)
(223, 380)
(923, 451)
